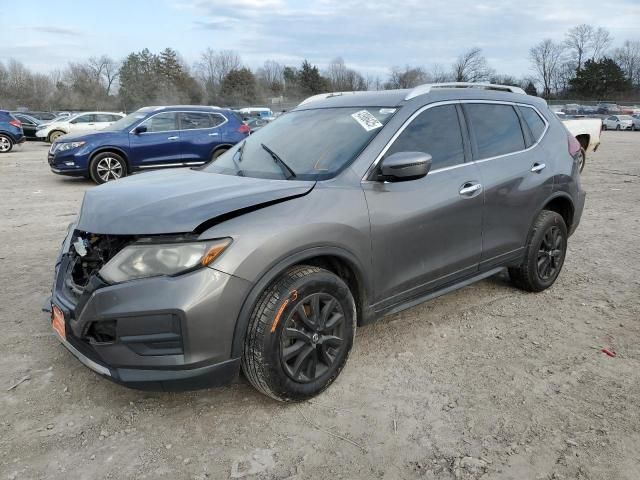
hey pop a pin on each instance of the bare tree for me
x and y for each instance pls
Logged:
(471, 66)
(628, 57)
(438, 74)
(546, 58)
(105, 70)
(408, 77)
(579, 41)
(342, 78)
(214, 66)
(600, 43)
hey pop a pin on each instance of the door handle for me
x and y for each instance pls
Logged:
(172, 138)
(470, 188)
(538, 167)
(214, 134)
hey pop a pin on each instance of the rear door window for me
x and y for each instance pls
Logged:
(435, 131)
(88, 118)
(534, 122)
(195, 120)
(496, 128)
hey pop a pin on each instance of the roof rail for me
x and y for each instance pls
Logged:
(322, 96)
(427, 87)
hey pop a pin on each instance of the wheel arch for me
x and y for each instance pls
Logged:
(337, 260)
(562, 204)
(583, 140)
(222, 146)
(111, 149)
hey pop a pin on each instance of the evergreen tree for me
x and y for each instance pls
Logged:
(600, 79)
(530, 89)
(239, 86)
(310, 80)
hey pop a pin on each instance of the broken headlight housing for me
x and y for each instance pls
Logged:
(155, 259)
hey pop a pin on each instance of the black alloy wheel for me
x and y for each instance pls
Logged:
(313, 337)
(550, 254)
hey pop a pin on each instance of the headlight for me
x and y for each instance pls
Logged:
(68, 146)
(151, 260)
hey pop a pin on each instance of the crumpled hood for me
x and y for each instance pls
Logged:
(177, 201)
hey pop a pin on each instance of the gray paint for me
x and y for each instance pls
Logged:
(405, 240)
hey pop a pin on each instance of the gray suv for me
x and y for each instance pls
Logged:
(348, 208)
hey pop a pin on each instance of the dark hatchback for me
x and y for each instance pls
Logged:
(29, 124)
(11, 131)
(152, 137)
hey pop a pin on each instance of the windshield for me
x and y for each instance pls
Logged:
(127, 122)
(313, 144)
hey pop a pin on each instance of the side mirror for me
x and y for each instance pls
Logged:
(140, 129)
(402, 166)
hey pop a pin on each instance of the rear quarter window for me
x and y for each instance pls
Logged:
(496, 128)
(534, 122)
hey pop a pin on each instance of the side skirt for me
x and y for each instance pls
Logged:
(412, 302)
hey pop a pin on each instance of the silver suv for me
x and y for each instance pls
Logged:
(348, 208)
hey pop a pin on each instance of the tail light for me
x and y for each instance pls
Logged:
(15, 123)
(244, 128)
(574, 145)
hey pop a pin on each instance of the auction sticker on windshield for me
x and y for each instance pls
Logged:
(366, 120)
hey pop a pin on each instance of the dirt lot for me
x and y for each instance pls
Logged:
(488, 382)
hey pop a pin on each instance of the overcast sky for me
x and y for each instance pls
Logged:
(371, 35)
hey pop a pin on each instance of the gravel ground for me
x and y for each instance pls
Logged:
(488, 382)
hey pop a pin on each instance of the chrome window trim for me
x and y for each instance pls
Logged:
(179, 130)
(372, 167)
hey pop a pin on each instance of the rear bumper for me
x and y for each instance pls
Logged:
(578, 207)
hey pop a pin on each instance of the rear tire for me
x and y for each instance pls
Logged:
(300, 334)
(544, 253)
(6, 144)
(604, 126)
(217, 153)
(106, 167)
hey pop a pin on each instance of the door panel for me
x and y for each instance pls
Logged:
(512, 191)
(160, 144)
(426, 232)
(200, 133)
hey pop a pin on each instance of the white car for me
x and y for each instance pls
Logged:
(587, 132)
(636, 121)
(617, 122)
(81, 122)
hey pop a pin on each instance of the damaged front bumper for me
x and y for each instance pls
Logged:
(159, 333)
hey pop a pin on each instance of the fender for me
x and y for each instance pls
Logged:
(276, 269)
(553, 196)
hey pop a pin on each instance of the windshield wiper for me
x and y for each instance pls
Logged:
(237, 162)
(289, 173)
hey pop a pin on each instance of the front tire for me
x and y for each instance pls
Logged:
(300, 334)
(106, 167)
(6, 144)
(53, 136)
(617, 127)
(544, 254)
